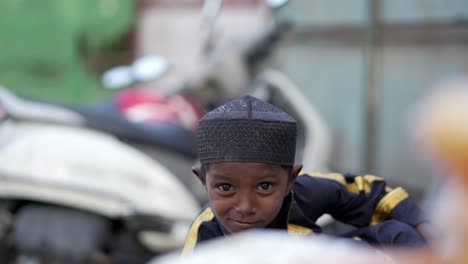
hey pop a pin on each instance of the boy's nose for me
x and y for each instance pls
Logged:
(246, 204)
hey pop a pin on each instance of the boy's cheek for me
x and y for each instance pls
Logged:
(212, 195)
(220, 213)
(219, 204)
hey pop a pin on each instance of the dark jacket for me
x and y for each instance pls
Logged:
(361, 201)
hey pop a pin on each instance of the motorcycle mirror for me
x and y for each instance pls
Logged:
(117, 77)
(275, 4)
(149, 68)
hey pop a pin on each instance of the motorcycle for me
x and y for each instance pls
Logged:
(225, 74)
(72, 194)
(85, 173)
(240, 69)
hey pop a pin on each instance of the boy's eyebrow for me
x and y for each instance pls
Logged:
(260, 178)
(220, 177)
(266, 176)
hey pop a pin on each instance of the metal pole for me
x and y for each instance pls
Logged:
(371, 94)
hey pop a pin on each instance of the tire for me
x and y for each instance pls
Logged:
(127, 249)
(58, 235)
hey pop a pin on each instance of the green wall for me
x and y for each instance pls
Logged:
(42, 44)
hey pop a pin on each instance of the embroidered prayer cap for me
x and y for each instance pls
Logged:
(247, 130)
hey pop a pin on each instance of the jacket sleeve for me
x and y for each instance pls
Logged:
(366, 200)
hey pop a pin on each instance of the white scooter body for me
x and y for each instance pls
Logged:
(84, 169)
(78, 167)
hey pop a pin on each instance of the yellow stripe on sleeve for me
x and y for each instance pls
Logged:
(299, 230)
(191, 241)
(387, 204)
(360, 183)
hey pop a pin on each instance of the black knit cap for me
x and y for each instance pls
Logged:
(247, 130)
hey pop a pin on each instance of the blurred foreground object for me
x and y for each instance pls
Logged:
(278, 248)
(441, 129)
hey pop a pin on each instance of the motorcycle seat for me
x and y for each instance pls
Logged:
(105, 117)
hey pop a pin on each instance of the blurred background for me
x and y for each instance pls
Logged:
(357, 68)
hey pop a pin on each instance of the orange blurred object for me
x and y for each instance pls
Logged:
(442, 130)
(443, 126)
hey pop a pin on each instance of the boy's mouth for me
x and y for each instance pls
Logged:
(244, 224)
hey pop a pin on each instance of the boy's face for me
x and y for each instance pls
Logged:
(247, 195)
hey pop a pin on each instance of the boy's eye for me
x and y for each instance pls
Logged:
(225, 187)
(264, 186)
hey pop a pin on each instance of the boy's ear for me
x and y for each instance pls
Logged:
(197, 171)
(296, 169)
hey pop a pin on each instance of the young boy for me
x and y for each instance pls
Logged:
(247, 149)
